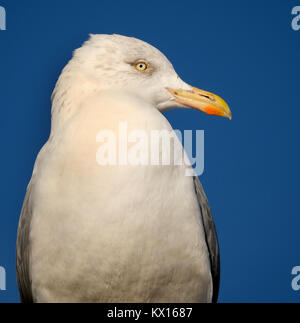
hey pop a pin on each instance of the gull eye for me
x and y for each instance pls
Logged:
(141, 66)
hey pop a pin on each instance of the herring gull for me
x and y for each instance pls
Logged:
(116, 233)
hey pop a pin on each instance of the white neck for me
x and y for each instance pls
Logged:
(71, 89)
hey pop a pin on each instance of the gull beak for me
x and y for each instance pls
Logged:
(201, 100)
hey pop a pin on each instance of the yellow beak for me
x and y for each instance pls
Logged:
(203, 101)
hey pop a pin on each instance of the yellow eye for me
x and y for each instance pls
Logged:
(141, 66)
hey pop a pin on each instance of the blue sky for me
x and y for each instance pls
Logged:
(246, 51)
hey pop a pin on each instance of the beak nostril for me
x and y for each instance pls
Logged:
(207, 97)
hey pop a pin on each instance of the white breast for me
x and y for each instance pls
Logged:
(114, 233)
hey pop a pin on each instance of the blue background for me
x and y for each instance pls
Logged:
(246, 51)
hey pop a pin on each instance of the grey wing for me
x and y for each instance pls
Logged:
(211, 237)
(23, 250)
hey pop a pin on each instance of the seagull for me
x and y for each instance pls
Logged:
(116, 233)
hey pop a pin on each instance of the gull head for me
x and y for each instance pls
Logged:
(115, 62)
